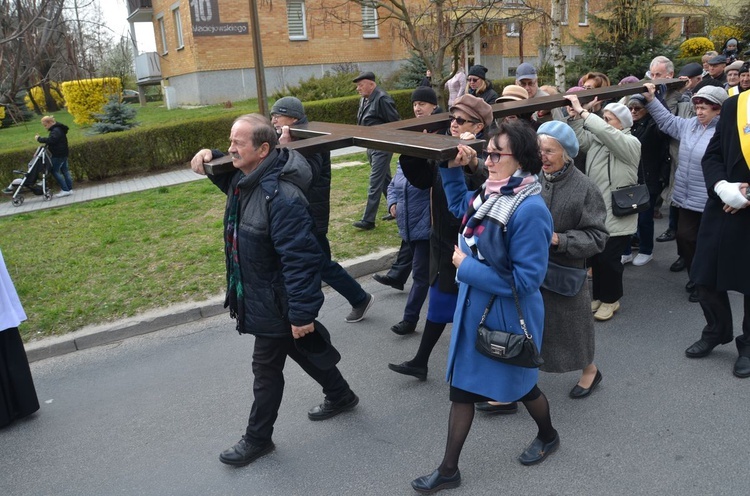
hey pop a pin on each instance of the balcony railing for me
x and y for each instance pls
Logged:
(147, 68)
(140, 10)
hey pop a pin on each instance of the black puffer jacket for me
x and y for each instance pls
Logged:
(279, 256)
(57, 141)
(319, 194)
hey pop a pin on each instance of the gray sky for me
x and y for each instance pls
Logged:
(115, 15)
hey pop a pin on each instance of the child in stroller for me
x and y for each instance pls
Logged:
(38, 166)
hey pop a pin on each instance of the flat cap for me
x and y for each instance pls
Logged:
(365, 75)
(691, 70)
(719, 59)
(734, 66)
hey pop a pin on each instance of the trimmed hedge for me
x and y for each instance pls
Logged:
(157, 148)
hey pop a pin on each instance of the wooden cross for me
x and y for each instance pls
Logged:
(408, 136)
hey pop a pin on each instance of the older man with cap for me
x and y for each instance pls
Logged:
(733, 77)
(716, 67)
(375, 107)
(526, 77)
(721, 261)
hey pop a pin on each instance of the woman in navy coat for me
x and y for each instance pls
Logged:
(506, 231)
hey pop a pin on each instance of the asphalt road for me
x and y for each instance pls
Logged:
(149, 415)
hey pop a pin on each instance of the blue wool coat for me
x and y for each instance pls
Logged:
(526, 242)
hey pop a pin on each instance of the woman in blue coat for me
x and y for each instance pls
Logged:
(506, 232)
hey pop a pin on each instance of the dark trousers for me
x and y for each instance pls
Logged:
(269, 357)
(645, 231)
(607, 269)
(674, 214)
(688, 223)
(718, 314)
(380, 178)
(401, 268)
(339, 279)
(420, 273)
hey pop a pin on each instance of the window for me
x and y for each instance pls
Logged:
(564, 12)
(369, 22)
(511, 29)
(177, 28)
(295, 19)
(583, 14)
(163, 35)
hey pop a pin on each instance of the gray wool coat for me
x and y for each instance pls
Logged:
(578, 216)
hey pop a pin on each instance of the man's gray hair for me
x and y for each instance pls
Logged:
(262, 129)
(661, 59)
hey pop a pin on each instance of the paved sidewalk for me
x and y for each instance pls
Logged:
(92, 191)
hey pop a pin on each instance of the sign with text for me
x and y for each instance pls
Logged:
(206, 22)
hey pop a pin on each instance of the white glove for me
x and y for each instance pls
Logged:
(730, 194)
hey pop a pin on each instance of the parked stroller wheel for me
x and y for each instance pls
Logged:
(18, 201)
(47, 195)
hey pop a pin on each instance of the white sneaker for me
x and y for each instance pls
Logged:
(642, 259)
(62, 194)
(626, 259)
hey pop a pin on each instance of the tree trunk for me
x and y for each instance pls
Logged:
(555, 45)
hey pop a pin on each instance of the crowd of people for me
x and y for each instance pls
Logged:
(521, 236)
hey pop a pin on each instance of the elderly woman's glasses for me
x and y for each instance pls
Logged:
(461, 121)
(496, 156)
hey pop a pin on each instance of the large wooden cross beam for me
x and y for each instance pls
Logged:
(408, 136)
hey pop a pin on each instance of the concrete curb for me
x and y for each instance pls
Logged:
(163, 318)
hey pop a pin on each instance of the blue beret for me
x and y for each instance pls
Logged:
(564, 135)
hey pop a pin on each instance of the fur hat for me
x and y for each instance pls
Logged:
(289, 106)
(563, 134)
(513, 93)
(424, 94)
(474, 107)
(622, 113)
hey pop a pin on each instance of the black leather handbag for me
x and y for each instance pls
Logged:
(629, 200)
(507, 347)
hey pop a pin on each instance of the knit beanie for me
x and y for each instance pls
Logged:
(289, 106)
(563, 134)
(622, 113)
(424, 94)
(479, 71)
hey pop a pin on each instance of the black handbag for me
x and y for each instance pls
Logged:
(507, 347)
(564, 280)
(629, 200)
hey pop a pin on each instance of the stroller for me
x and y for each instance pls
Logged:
(40, 164)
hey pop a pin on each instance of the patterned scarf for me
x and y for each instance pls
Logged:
(234, 299)
(498, 207)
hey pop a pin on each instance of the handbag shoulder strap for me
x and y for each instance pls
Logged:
(518, 309)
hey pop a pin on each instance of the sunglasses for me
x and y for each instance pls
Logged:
(473, 79)
(461, 121)
(496, 156)
(636, 109)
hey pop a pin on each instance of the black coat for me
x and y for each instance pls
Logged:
(653, 171)
(379, 108)
(721, 259)
(319, 194)
(57, 141)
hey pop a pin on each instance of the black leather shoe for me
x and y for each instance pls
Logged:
(428, 484)
(742, 367)
(693, 298)
(387, 217)
(502, 409)
(389, 281)
(678, 265)
(538, 451)
(702, 348)
(329, 409)
(403, 328)
(244, 452)
(579, 392)
(690, 286)
(364, 225)
(406, 369)
(668, 235)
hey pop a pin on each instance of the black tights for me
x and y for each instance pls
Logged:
(430, 336)
(462, 415)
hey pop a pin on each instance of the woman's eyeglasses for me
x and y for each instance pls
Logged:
(496, 156)
(461, 121)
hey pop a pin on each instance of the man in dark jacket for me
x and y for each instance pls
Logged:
(57, 144)
(721, 263)
(286, 112)
(375, 107)
(273, 277)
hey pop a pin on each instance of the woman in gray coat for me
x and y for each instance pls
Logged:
(578, 215)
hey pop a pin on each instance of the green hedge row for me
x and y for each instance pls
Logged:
(158, 148)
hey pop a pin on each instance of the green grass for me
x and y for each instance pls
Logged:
(154, 113)
(103, 260)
